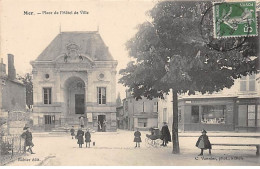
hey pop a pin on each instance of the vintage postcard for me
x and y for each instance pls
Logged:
(129, 83)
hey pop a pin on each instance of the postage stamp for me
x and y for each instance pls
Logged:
(234, 19)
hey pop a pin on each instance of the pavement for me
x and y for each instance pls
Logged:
(118, 149)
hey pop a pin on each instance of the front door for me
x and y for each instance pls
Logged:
(79, 104)
(49, 122)
(102, 123)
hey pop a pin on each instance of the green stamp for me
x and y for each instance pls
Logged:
(234, 19)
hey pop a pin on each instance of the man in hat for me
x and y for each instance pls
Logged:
(27, 135)
(203, 142)
(87, 138)
(166, 135)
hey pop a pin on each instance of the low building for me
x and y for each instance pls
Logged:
(12, 99)
(144, 113)
(74, 81)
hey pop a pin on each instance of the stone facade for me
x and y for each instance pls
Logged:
(13, 115)
(141, 114)
(75, 76)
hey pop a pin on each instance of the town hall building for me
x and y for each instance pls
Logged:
(74, 83)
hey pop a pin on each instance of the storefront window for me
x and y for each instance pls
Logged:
(213, 114)
(194, 114)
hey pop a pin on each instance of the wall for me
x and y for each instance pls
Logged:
(13, 96)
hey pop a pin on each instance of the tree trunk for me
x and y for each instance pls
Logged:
(175, 137)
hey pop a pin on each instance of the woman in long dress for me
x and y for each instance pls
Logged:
(79, 136)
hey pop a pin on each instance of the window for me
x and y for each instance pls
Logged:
(101, 95)
(47, 95)
(179, 116)
(142, 122)
(213, 114)
(155, 107)
(248, 116)
(251, 115)
(165, 115)
(258, 116)
(247, 83)
(47, 76)
(194, 114)
(252, 82)
(243, 83)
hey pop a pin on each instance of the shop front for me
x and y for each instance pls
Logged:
(213, 114)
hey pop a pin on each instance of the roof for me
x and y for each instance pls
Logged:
(88, 43)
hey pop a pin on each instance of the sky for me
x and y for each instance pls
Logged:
(26, 36)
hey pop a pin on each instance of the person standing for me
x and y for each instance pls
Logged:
(87, 138)
(28, 139)
(104, 126)
(137, 138)
(203, 143)
(166, 135)
(99, 126)
(81, 121)
(79, 136)
(72, 132)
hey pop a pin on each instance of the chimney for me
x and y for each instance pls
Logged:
(11, 69)
(2, 68)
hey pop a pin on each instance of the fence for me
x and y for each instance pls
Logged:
(11, 147)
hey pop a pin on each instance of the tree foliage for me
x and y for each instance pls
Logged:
(171, 53)
(27, 81)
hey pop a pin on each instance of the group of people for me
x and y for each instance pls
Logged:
(165, 136)
(80, 136)
(203, 142)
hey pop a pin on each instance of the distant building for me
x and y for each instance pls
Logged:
(75, 77)
(12, 99)
(234, 109)
(143, 113)
(120, 117)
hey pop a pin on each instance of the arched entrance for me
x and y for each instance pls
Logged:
(74, 99)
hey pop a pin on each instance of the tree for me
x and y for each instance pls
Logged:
(171, 54)
(27, 81)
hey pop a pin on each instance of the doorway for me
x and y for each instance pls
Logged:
(79, 103)
(49, 122)
(102, 123)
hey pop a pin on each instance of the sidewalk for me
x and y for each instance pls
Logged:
(181, 134)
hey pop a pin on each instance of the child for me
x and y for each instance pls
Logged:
(87, 138)
(28, 139)
(80, 135)
(137, 138)
(72, 132)
(203, 143)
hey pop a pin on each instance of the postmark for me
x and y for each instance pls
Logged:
(234, 19)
